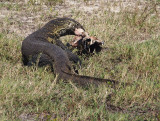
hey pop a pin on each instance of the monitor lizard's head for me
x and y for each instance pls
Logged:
(69, 26)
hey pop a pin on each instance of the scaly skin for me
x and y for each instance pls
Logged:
(53, 51)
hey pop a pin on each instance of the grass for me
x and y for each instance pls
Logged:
(133, 42)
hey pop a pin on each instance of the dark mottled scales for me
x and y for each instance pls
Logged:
(53, 51)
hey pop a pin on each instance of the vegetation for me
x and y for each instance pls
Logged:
(131, 55)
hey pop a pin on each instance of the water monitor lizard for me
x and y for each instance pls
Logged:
(46, 41)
